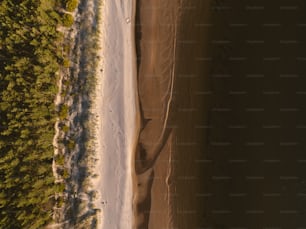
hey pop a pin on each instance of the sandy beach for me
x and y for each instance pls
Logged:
(137, 144)
(116, 110)
(124, 182)
(201, 127)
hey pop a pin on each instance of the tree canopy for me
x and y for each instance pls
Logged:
(30, 57)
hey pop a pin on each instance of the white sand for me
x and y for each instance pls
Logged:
(117, 110)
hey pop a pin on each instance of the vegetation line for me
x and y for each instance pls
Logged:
(74, 146)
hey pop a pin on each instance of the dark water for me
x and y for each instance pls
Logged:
(238, 126)
(239, 105)
(191, 105)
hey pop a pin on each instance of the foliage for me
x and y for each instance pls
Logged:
(71, 144)
(63, 112)
(71, 5)
(68, 20)
(66, 63)
(60, 160)
(30, 57)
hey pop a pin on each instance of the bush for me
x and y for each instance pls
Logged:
(65, 128)
(71, 5)
(63, 112)
(60, 160)
(71, 145)
(60, 187)
(60, 202)
(66, 63)
(67, 20)
(66, 174)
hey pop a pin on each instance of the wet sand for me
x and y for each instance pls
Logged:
(232, 155)
(171, 46)
(156, 40)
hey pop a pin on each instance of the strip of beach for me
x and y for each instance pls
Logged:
(116, 109)
(175, 159)
(134, 141)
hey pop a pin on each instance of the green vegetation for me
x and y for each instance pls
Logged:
(67, 20)
(71, 144)
(63, 112)
(65, 129)
(66, 62)
(71, 5)
(30, 57)
(60, 160)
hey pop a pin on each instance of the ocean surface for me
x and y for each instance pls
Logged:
(222, 88)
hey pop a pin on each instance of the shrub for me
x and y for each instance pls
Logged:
(71, 5)
(71, 145)
(63, 112)
(65, 128)
(66, 174)
(59, 187)
(60, 202)
(67, 20)
(66, 63)
(60, 160)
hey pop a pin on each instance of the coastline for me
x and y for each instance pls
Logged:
(116, 107)
(142, 174)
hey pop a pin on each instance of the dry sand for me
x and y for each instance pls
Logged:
(116, 109)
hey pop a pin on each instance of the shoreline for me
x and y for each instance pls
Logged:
(156, 193)
(118, 117)
(156, 50)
